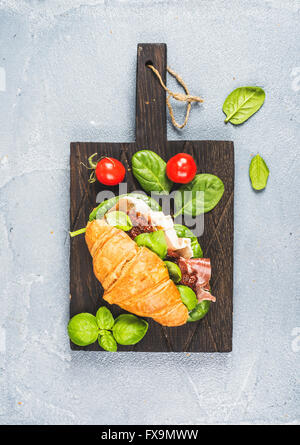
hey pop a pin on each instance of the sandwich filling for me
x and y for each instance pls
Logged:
(196, 272)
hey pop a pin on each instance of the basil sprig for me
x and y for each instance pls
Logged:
(189, 202)
(104, 318)
(242, 103)
(84, 329)
(107, 342)
(258, 172)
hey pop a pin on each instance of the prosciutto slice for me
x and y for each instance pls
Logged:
(196, 273)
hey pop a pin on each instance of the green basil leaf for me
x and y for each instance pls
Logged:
(107, 342)
(104, 318)
(104, 206)
(188, 296)
(188, 201)
(83, 329)
(150, 171)
(129, 329)
(185, 232)
(119, 220)
(242, 103)
(196, 248)
(155, 241)
(199, 311)
(258, 172)
(174, 271)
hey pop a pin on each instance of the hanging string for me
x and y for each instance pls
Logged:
(178, 96)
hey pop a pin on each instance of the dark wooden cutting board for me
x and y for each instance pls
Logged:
(214, 332)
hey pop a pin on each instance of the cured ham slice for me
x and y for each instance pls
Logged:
(196, 273)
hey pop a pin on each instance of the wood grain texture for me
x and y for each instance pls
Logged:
(151, 129)
(214, 332)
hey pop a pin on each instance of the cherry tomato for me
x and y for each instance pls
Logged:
(181, 168)
(110, 171)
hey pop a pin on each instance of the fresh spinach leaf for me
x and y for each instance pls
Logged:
(129, 329)
(104, 318)
(199, 311)
(188, 296)
(155, 241)
(174, 271)
(150, 171)
(83, 329)
(185, 232)
(107, 341)
(119, 220)
(242, 103)
(258, 172)
(188, 200)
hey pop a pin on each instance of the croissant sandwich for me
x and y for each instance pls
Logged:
(128, 261)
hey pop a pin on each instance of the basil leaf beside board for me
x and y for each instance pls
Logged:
(129, 330)
(258, 172)
(189, 202)
(150, 171)
(83, 329)
(185, 232)
(242, 103)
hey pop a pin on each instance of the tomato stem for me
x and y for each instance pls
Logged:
(91, 162)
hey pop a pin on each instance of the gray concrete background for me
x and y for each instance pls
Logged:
(67, 73)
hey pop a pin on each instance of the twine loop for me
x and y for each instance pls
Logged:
(177, 96)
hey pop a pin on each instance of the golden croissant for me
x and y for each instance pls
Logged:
(133, 277)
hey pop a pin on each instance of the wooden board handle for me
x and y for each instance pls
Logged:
(150, 96)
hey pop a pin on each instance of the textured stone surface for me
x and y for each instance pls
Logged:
(67, 72)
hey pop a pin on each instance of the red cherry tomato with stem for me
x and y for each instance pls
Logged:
(110, 171)
(181, 168)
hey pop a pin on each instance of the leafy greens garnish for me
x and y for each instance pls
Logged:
(242, 103)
